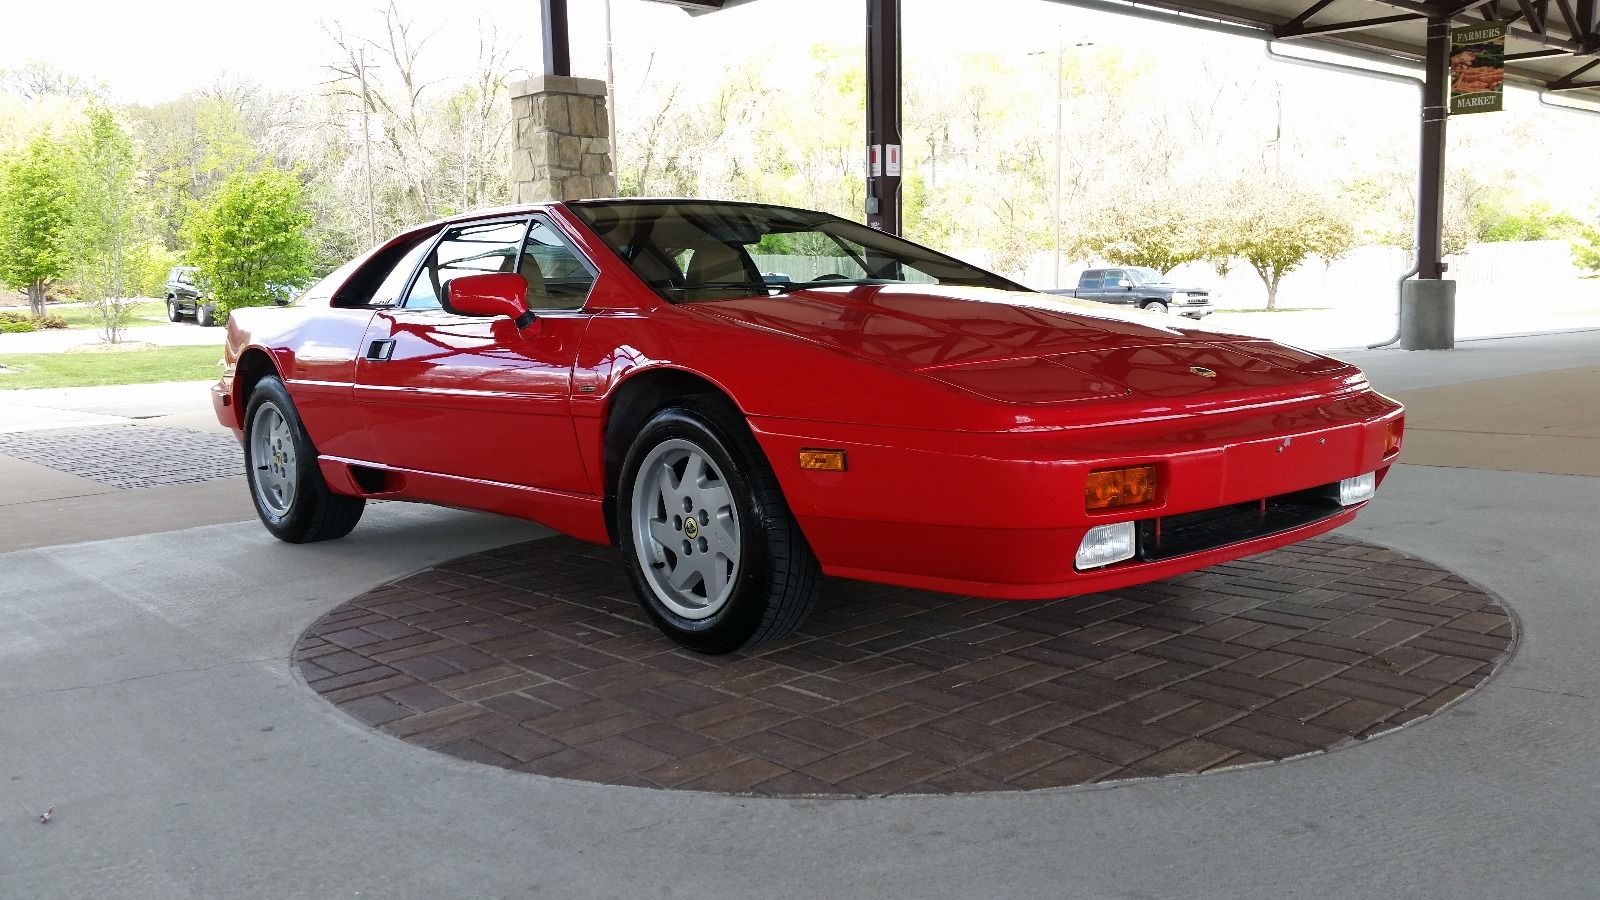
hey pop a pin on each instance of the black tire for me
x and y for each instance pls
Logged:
(172, 311)
(314, 513)
(205, 314)
(1155, 306)
(777, 576)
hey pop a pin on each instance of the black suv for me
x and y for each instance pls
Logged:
(185, 297)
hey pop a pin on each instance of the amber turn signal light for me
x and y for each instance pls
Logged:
(822, 460)
(1391, 438)
(1128, 486)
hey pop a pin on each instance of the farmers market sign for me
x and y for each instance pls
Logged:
(1477, 68)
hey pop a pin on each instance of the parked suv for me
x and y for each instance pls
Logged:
(1142, 287)
(185, 297)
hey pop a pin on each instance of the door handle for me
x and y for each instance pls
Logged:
(380, 350)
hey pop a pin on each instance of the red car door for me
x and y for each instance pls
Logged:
(476, 397)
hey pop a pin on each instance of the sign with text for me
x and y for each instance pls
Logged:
(1477, 68)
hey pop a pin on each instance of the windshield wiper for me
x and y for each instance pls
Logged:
(830, 282)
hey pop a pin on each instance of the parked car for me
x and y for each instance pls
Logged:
(911, 420)
(1142, 287)
(186, 297)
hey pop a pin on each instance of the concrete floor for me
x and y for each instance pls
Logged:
(146, 695)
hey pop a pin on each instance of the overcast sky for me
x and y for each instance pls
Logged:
(154, 51)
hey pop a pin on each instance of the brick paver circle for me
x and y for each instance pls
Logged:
(536, 657)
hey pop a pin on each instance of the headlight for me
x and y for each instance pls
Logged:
(1104, 545)
(1179, 296)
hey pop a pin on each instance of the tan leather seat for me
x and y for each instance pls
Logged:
(538, 296)
(717, 264)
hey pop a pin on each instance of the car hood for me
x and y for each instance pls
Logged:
(1027, 348)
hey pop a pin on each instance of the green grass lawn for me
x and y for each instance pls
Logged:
(150, 312)
(49, 370)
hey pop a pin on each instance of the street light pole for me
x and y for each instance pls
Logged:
(611, 92)
(1061, 51)
(366, 140)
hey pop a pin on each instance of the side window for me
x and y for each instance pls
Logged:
(1114, 278)
(1090, 281)
(466, 250)
(389, 290)
(558, 278)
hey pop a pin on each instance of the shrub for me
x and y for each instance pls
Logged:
(15, 327)
(49, 321)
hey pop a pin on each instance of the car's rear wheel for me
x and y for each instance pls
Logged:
(290, 494)
(172, 311)
(715, 556)
(1156, 306)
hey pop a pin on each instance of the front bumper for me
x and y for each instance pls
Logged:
(1002, 515)
(222, 404)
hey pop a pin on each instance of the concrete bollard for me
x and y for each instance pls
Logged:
(1428, 315)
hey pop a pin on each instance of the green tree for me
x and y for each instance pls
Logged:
(1533, 222)
(249, 236)
(1161, 228)
(106, 220)
(1586, 248)
(1277, 225)
(36, 207)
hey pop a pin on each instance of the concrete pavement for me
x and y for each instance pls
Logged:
(145, 693)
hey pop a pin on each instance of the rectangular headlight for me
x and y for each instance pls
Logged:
(1104, 545)
(1355, 490)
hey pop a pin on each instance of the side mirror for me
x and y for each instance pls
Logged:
(493, 294)
(1125, 284)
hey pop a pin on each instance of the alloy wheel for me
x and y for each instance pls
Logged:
(686, 529)
(272, 459)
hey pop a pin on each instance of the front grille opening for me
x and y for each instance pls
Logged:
(1169, 536)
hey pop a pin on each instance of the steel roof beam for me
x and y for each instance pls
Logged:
(1568, 81)
(1535, 22)
(1571, 46)
(1569, 18)
(1341, 27)
(1295, 23)
(1535, 54)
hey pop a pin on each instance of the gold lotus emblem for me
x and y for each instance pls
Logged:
(691, 528)
(1203, 372)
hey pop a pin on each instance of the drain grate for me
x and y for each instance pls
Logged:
(129, 456)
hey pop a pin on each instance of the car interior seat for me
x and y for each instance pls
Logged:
(538, 296)
(717, 269)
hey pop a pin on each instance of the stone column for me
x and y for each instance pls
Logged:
(562, 150)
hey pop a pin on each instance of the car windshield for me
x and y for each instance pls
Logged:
(693, 250)
(1146, 275)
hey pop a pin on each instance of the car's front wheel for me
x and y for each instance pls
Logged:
(1156, 306)
(172, 310)
(715, 556)
(205, 314)
(290, 495)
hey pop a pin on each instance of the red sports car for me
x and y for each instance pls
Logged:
(623, 371)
